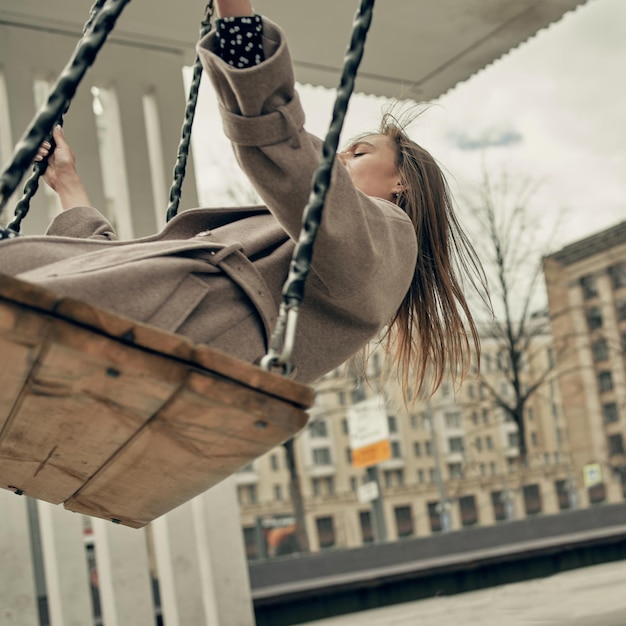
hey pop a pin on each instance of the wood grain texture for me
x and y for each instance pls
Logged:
(121, 420)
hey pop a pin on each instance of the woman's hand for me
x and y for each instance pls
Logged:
(61, 174)
(233, 8)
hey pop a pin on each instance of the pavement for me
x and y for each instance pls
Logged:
(589, 596)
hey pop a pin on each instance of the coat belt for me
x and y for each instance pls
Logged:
(236, 265)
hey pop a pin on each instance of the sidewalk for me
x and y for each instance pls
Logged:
(591, 596)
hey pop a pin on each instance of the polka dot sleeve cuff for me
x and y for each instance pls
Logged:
(240, 40)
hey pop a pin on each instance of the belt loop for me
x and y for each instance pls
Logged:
(241, 270)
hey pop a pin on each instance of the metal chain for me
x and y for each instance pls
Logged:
(32, 183)
(190, 112)
(101, 22)
(283, 338)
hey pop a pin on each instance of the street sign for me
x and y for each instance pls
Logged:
(369, 432)
(368, 492)
(592, 474)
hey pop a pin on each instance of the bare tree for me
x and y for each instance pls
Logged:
(512, 244)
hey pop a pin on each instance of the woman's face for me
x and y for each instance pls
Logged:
(371, 163)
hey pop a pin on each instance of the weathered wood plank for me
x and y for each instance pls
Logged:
(121, 420)
(208, 431)
(85, 398)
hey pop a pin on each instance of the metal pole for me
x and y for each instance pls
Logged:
(378, 512)
(444, 505)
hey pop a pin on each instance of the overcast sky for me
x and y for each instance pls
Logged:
(553, 109)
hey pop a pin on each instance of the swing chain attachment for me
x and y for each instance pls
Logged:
(281, 344)
(100, 24)
(39, 168)
(190, 112)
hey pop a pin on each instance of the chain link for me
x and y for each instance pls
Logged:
(100, 24)
(281, 344)
(190, 111)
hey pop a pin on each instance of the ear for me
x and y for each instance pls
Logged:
(398, 188)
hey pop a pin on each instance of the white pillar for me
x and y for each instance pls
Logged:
(123, 575)
(65, 565)
(222, 559)
(18, 596)
(178, 568)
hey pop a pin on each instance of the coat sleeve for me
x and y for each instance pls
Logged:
(83, 223)
(364, 244)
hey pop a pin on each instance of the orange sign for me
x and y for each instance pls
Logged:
(372, 454)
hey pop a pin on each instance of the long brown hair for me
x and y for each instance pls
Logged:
(433, 331)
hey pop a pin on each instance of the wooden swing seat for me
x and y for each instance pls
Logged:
(123, 421)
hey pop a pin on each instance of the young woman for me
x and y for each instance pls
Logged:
(384, 257)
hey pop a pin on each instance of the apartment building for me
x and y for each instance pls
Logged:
(586, 284)
(454, 462)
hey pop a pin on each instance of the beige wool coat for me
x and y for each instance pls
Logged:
(215, 275)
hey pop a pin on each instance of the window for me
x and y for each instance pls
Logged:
(497, 502)
(483, 469)
(278, 492)
(597, 493)
(616, 444)
(315, 486)
(414, 422)
(489, 442)
(562, 492)
(513, 440)
(367, 533)
(475, 418)
(600, 350)
(318, 429)
(470, 391)
(610, 412)
(321, 456)
(330, 485)
(485, 416)
(428, 446)
(250, 542)
(533, 439)
(469, 512)
(455, 470)
(624, 342)
(620, 307)
(589, 286)
(404, 521)
(393, 424)
(394, 477)
(341, 396)
(453, 420)
(605, 381)
(354, 484)
(594, 317)
(530, 414)
(274, 462)
(432, 475)
(251, 495)
(395, 450)
(532, 499)
(358, 394)
(455, 444)
(344, 426)
(434, 516)
(478, 444)
(492, 468)
(348, 456)
(420, 476)
(511, 465)
(325, 531)
(417, 448)
(618, 275)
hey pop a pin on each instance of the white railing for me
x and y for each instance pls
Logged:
(195, 553)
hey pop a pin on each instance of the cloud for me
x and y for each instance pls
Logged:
(488, 138)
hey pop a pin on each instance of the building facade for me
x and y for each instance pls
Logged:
(454, 462)
(586, 283)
